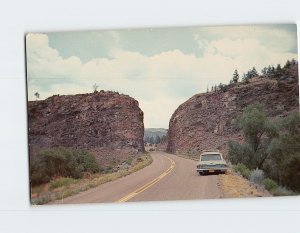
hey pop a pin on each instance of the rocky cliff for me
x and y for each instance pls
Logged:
(104, 122)
(206, 121)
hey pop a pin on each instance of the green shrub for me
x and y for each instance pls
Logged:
(63, 162)
(240, 153)
(257, 176)
(129, 161)
(269, 184)
(60, 182)
(271, 145)
(258, 130)
(242, 169)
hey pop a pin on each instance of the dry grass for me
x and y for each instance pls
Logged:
(232, 185)
(43, 194)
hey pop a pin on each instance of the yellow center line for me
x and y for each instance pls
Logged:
(151, 183)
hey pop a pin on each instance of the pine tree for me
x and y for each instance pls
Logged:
(254, 72)
(269, 71)
(245, 78)
(293, 61)
(278, 70)
(37, 95)
(273, 70)
(287, 64)
(220, 86)
(236, 76)
(264, 71)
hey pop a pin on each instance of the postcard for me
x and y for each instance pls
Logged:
(163, 114)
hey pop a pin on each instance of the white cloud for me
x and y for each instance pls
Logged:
(160, 82)
(235, 48)
(45, 62)
(202, 43)
(275, 38)
(159, 110)
(242, 54)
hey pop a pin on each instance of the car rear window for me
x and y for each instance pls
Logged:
(210, 157)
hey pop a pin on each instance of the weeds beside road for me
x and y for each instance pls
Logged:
(232, 185)
(63, 187)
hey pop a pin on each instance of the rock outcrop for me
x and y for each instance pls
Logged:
(206, 121)
(101, 121)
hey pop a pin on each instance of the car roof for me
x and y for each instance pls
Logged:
(210, 152)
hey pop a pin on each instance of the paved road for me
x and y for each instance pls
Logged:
(169, 177)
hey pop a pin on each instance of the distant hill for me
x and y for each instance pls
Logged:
(151, 134)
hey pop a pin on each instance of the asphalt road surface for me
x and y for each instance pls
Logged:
(169, 177)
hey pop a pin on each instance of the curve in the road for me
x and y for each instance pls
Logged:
(168, 177)
(151, 183)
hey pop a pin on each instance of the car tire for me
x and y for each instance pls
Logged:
(200, 173)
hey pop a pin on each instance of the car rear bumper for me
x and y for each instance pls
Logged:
(215, 169)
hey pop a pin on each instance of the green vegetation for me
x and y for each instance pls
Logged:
(258, 131)
(129, 161)
(267, 72)
(60, 188)
(257, 176)
(242, 169)
(270, 185)
(155, 135)
(37, 95)
(284, 152)
(271, 147)
(250, 74)
(61, 162)
(60, 182)
(235, 76)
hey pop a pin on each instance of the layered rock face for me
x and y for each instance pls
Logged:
(101, 121)
(206, 121)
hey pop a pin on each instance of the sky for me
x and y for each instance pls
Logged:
(159, 67)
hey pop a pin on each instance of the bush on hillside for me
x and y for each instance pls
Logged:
(63, 181)
(61, 162)
(269, 184)
(258, 131)
(270, 145)
(257, 176)
(240, 154)
(284, 154)
(242, 170)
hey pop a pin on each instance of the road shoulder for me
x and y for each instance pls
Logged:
(232, 185)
